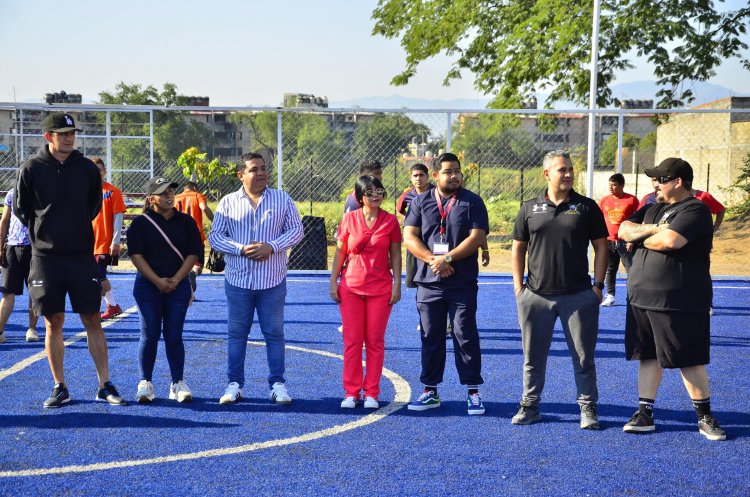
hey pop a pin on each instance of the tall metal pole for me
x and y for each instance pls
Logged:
(108, 133)
(151, 141)
(592, 98)
(620, 126)
(448, 134)
(279, 153)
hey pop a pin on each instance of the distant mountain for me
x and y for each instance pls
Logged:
(637, 90)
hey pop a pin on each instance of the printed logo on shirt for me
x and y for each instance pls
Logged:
(106, 194)
(37, 283)
(540, 208)
(573, 209)
(665, 217)
(69, 121)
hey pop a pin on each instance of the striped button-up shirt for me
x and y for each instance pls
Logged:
(237, 223)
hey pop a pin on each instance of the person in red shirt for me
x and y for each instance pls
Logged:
(617, 207)
(107, 230)
(369, 240)
(717, 208)
(193, 203)
(650, 198)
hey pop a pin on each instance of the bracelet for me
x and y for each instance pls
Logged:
(485, 251)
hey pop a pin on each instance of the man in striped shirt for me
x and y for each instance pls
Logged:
(254, 227)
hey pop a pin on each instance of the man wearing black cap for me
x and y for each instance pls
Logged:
(667, 324)
(58, 194)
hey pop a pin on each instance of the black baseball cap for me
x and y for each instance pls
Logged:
(674, 167)
(59, 122)
(158, 185)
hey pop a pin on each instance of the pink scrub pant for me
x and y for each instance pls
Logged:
(364, 318)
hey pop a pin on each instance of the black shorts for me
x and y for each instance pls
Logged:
(17, 273)
(676, 339)
(52, 277)
(102, 262)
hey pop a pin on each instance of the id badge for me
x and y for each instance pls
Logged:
(440, 249)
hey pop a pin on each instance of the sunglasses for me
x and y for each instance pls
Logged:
(372, 193)
(665, 179)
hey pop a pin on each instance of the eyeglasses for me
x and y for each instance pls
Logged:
(665, 179)
(372, 193)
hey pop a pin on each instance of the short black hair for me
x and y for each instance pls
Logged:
(369, 165)
(618, 178)
(446, 157)
(365, 183)
(247, 157)
(192, 185)
(419, 167)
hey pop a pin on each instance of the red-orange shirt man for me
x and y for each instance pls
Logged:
(193, 203)
(617, 207)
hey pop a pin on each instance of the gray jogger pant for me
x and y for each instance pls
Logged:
(579, 315)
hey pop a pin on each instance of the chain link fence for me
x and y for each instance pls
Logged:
(314, 153)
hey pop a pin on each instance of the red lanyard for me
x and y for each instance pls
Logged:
(443, 212)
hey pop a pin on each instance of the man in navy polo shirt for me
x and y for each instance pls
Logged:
(444, 228)
(555, 230)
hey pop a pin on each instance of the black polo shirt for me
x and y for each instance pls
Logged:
(558, 238)
(468, 213)
(674, 280)
(144, 239)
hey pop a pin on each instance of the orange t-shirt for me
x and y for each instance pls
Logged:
(616, 210)
(103, 224)
(190, 204)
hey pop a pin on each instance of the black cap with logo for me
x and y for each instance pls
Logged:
(673, 167)
(158, 185)
(59, 122)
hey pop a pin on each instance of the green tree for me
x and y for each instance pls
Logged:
(608, 150)
(741, 209)
(386, 137)
(517, 48)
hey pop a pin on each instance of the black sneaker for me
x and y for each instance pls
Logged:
(640, 422)
(709, 428)
(528, 413)
(58, 397)
(109, 394)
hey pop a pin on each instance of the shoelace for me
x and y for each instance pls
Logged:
(475, 399)
(588, 409)
(710, 421)
(425, 396)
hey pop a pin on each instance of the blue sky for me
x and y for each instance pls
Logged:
(236, 52)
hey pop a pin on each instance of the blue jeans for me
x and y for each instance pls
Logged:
(242, 304)
(161, 311)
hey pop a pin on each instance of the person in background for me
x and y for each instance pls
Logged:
(370, 242)
(368, 167)
(194, 204)
(617, 207)
(163, 245)
(420, 183)
(717, 208)
(15, 259)
(107, 231)
(649, 198)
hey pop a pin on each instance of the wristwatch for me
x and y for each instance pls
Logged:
(599, 285)
(448, 258)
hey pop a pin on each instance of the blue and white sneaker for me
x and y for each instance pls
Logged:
(474, 404)
(428, 400)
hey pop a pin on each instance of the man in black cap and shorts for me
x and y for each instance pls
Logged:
(58, 194)
(667, 324)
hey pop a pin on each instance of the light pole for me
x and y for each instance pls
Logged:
(592, 99)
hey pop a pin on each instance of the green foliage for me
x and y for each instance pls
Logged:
(194, 167)
(608, 150)
(741, 209)
(648, 142)
(386, 137)
(515, 49)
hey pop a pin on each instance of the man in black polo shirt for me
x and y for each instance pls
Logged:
(555, 230)
(667, 324)
(443, 229)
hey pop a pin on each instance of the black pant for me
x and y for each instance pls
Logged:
(617, 252)
(436, 304)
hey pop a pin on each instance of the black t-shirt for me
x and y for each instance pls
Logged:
(558, 238)
(144, 239)
(675, 280)
(467, 213)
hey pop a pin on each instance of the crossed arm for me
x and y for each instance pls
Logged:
(654, 236)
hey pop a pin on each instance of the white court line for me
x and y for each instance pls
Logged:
(403, 394)
(20, 366)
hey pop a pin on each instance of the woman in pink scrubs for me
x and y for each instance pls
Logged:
(369, 241)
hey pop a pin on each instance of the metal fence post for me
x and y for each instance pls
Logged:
(448, 134)
(20, 127)
(620, 125)
(151, 141)
(108, 133)
(280, 153)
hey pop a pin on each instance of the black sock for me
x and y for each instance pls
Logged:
(428, 388)
(473, 390)
(702, 407)
(646, 406)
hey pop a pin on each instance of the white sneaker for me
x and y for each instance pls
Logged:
(232, 394)
(2, 336)
(349, 402)
(145, 392)
(32, 335)
(608, 301)
(180, 392)
(279, 394)
(371, 403)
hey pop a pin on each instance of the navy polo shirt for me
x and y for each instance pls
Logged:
(558, 238)
(468, 213)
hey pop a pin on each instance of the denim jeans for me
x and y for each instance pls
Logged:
(242, 304)
(161, 311)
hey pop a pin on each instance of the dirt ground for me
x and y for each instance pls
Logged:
(731, 254)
